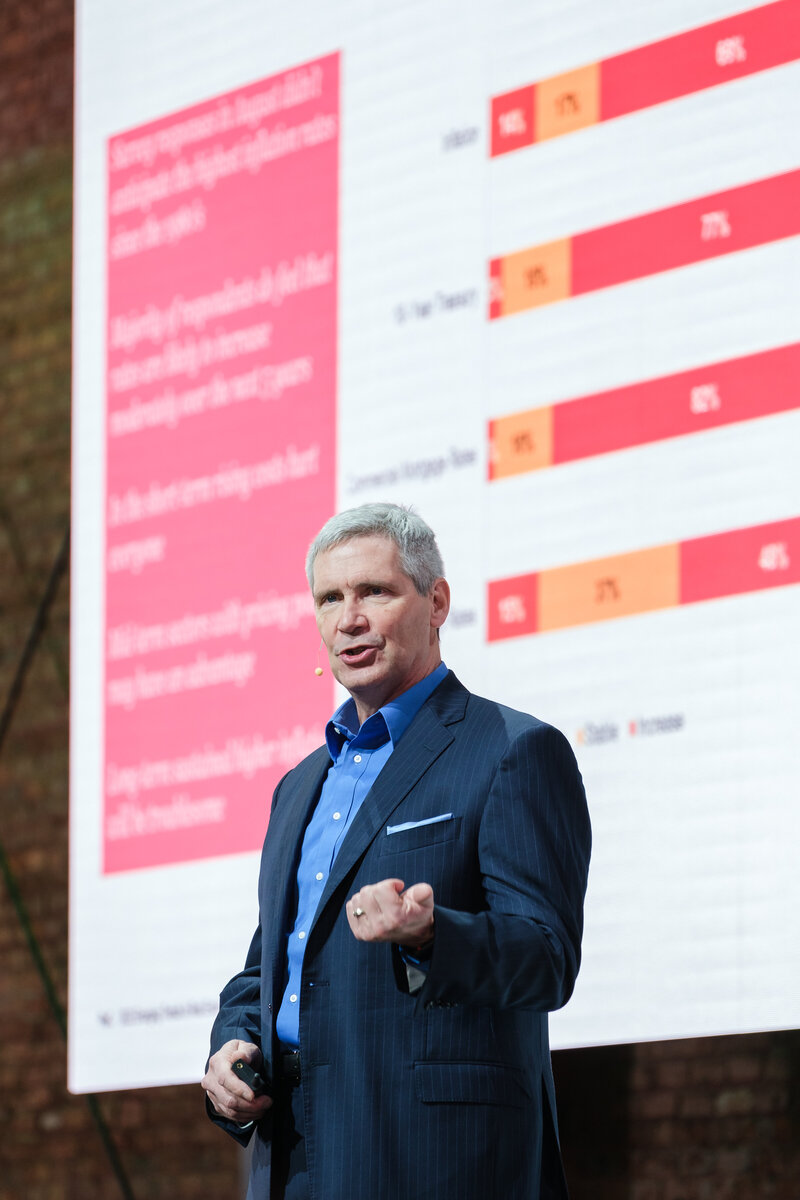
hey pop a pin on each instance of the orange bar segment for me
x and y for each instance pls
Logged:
(621, 586)
(540, 275)
(521, 442)
(567, 102)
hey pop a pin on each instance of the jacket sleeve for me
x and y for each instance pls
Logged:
(239, 1017)
(523, 949)
(239, 1013)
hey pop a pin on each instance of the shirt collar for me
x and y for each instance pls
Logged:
(389, 723)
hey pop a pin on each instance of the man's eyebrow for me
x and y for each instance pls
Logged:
(359, 586)
(368, 583)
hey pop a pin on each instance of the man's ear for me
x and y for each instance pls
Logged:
(440, 603)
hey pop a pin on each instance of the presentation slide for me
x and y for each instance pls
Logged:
(532, 270)
(220, 457)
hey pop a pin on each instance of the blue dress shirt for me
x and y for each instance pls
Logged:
(358, 756)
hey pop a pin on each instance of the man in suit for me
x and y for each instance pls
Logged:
(420, 899)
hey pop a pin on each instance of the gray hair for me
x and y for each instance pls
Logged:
(420, 559)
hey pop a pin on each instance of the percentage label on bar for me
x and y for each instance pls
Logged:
(705, 398)
(606, 589)
(536, 276)
(512, 123)
(715, 225)
(774, 556)
(730, 50)
(523, 443)
(568, 104)
(511, 610)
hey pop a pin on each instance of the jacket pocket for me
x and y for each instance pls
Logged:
(470, 1083)
(420, 836)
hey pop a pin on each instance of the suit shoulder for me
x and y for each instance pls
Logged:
(482, 709)
(508, 723)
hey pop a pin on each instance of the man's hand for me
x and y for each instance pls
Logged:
(390, 914)
(229, 1097)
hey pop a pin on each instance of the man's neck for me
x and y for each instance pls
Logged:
(367, 704)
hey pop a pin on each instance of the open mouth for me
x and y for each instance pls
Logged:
(357, 654)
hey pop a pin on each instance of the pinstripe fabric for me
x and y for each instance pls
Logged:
(447, 1095)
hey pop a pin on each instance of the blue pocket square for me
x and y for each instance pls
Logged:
(416, 824)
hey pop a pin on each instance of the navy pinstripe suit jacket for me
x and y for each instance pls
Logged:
(448, 1094)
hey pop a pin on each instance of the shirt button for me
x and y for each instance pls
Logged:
(336, 816)
(293, 998)
(301, 934)
(318, 875)
(357, 758)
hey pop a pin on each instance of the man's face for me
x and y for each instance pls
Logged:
(379, 632)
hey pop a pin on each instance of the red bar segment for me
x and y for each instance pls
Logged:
(738, 389)
(722, 223)
(744, 560)
(495, 288)
(512, 121)
(513, 607)
(701, 58)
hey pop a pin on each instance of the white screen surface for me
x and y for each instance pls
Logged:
(531, 270)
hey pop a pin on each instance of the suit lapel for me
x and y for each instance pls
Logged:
(426, 738)
(298, 796)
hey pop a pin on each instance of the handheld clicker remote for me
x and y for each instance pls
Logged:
(250, 1076)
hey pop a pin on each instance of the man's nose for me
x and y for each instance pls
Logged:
(352, 617)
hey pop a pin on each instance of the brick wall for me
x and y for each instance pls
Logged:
(713, 1119)
(697, 1119)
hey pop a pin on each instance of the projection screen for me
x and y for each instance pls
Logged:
(532, 268)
